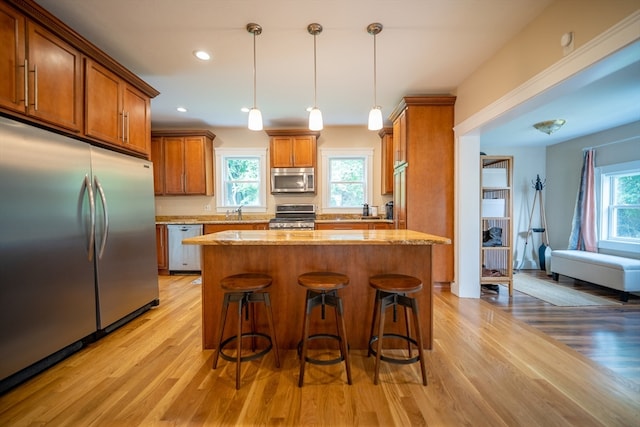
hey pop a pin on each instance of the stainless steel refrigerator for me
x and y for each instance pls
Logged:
(77, 244)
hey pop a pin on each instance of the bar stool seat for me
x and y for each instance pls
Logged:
(322, 290)
(245, 289)
(391, 291)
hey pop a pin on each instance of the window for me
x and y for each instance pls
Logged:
(241, 179)
(347, 179)
(620, 207)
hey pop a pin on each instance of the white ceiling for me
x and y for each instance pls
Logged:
(426, 47)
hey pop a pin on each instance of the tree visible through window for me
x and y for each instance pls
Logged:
(624, 206)
(242, 181)
(347, 182)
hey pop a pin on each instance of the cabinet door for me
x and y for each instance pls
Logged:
(173, 165)
(400, 139)
(400, 197)
(161, 246)
(157, 158)
(281, 152)
(137, 130)
(386, 157)
(12, 55)
(304, 151)
(342, 226)
(194, 167)
(380, 226)
(102, 97)
(55, 79)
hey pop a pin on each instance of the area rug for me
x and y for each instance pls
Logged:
(556, 294)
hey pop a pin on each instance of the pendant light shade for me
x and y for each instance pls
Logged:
(375, 118)
(315, 115)
(255, 119)
(315, 119)
(255, 116)
(375, 115)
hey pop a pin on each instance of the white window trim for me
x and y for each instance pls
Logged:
(601, 172)
(325, 155)
(221, 154)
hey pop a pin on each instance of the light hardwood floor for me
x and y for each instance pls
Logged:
(487, 368)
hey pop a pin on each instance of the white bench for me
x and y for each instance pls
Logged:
(611, 271)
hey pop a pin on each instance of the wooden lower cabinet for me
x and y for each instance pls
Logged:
(353, 225)
(162, 249)
(214, 228)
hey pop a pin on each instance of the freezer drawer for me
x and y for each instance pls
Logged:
(183, 257)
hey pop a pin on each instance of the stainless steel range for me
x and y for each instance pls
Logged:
(294, 217)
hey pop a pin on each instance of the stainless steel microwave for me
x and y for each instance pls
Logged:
(293, 180)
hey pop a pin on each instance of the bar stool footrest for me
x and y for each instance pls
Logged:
(397, 361)
(248, 357)
(321, 361)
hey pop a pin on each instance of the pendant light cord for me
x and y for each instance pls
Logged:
(375, 95)
(254, 70)
(315, 75)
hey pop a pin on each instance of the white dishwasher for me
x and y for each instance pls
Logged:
(183, 257)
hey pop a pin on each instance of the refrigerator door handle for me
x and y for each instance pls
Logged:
(86, 186)
(105, 213)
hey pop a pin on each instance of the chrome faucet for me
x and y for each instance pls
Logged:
(238, 212)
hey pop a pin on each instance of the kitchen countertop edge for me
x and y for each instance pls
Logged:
(317, 237)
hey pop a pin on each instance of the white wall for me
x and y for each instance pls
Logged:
(528, 162)
(330, 137)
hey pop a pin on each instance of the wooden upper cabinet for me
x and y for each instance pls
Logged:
(292, 148)
(116, 112)
(41, 73)
(55, 79)
(52, 76)
(183, 162)
(386, 158)
(157, 158)
(400, 139)
(12, 59)
(103, 102)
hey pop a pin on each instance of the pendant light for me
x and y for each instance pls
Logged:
(255, 116)
(315, 115)
(375, 115)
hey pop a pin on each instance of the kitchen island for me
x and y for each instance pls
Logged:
(286, 254)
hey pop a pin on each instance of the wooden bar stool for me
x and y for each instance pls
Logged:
(246, 289)
(391, 291)
(322, 290)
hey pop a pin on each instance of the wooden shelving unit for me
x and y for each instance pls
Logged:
(496, 240)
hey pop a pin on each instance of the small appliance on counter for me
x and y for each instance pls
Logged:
(389, 209)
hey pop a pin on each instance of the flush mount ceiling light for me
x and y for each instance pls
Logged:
(255, 116)
(202, 55)
(315, 115)
(549, 126)
(375, 115)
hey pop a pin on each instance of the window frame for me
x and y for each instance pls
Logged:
(603, 207)
(326, 155)
(221, 155)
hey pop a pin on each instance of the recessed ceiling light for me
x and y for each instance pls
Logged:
(202, 55)
(182, 109)
(244, 109)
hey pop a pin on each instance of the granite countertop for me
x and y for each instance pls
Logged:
(256, 219)
(317, 237)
